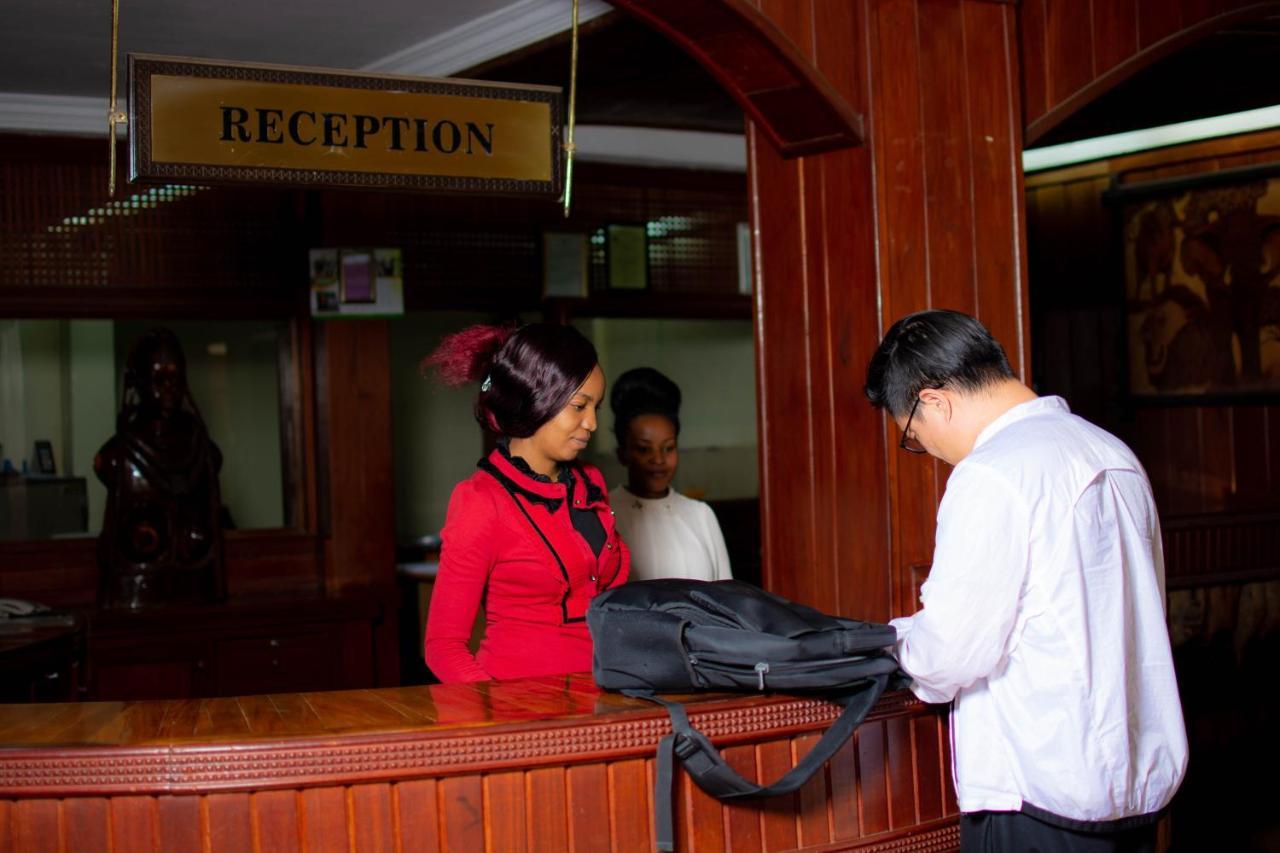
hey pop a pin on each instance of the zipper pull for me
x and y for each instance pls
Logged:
(693, 660)
(761, 669)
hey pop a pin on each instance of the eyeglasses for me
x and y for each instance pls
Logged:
(908, 442)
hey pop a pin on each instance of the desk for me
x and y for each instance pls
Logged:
(540, 764)
(41, 658)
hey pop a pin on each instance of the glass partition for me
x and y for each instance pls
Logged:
(713, 362)
(61, 383)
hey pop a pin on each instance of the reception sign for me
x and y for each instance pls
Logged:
(196, 121)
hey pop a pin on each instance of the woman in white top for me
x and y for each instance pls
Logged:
(670, 535)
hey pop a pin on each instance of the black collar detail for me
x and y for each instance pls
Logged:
(569, 473)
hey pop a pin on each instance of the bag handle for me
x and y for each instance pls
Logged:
(707, 767)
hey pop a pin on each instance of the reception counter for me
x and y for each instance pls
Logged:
(548, 764)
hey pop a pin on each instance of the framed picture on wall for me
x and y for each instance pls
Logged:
(44, 458)
(359, 277)
(1202, 284)
(564, 264)
(627, 256)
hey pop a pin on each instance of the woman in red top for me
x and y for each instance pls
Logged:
(529, 536)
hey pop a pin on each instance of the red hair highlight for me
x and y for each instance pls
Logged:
(467, 355)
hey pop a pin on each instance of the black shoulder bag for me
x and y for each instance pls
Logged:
(677, 635)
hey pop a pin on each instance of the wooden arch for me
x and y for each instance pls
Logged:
(1066, 66)
(775, 84)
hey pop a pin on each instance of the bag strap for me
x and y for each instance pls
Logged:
(564, 573)
(707, 767)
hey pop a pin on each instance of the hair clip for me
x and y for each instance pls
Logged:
(487, 383)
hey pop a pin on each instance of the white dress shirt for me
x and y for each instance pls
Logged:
(671, 537)
(1044, 620)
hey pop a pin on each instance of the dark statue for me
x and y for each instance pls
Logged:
(161, 539)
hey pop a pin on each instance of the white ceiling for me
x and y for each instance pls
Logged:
(54, 54)
(60, 48)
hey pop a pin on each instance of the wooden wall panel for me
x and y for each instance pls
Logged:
(37, 825)
(777, 816)
(873, 776)
(997, 241)
(506, 810)
(1212, 460)
(925, 214)
(134, 823)
(587, 787)
(462, 813)
(812, 821)
(1157, 19)
(1031, 36)
(355, 404)
(230, 823)
(181, 824)
(931, 774)
(276, 822)
(417, 818)
(1074, 50)
(548, 799)
(852, 514)
(323, 820)
(630, 817)
(703, 819)
(1115, 34)
(742, 821)
(902, 782)
(87, 821)
(842, 770)
(372, 829)
(1069, 54)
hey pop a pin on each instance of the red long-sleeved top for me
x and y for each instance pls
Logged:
(492, 555)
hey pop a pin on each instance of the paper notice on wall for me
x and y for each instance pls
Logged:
(356, 283)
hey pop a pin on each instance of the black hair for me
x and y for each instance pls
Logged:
(526, 375)
(643, 391)
(933, 349)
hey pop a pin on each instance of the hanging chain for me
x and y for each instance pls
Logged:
(569, 147)
(114, 116)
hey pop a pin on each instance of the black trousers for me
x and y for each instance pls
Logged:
(1014, 832)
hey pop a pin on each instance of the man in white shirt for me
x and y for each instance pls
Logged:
(1043, 617)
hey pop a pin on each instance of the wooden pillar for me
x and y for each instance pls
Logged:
(357, 490)
(927, 214)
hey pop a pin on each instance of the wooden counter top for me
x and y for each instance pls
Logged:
(541, 764)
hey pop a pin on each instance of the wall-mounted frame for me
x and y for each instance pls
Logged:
(44, 458)
(205, 122)
(627, 256)
(359, 278)
(564, 265)
(356, 282)
(1202, 286)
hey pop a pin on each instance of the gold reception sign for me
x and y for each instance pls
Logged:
(206, 122)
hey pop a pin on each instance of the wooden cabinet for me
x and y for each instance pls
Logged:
(274, 646)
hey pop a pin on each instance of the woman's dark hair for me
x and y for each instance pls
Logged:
(527, 375)
(933, 349)
(643, 391)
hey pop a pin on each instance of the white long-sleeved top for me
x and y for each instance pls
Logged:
(1044, 619)
(670, 537)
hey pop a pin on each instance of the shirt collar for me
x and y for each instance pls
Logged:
(574, 484)
(1020, 411)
